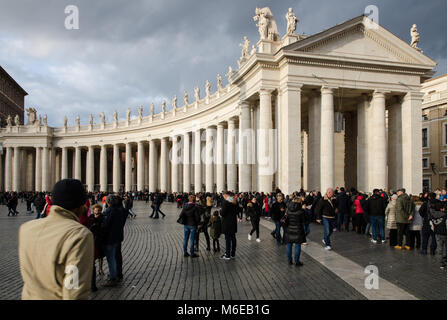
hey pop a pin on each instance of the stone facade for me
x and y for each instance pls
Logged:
(300, 111)
(12, 98)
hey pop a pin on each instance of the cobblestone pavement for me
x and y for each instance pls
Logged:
(154, 266)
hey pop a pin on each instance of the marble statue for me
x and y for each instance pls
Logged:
(219, 82)
(174, 103)
(32, 115)
(245, 48)
(253, 50)
(91, 119)
(9, 120)
(152, 109)
(197, 93)
(140, 112)
(266, 25)
(16, 120)
(185, 98)
(163, 106)
(115, 116)
(65, 121)
(414, 36)
(103, 117)
(39, 121)
(208, 88)
(78, 121)
(45, 121)
(128, 114)
(230, 73)
(291, 22)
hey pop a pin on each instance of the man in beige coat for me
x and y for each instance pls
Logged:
(56, 252)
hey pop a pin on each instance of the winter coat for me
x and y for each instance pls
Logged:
(204, 217)
(114, 219)
(416, 223)
(46, 247)
(390, 212)
(253, 211)
(229, 214)
(278, 211)
(376, 206)
(342, 202)
(325, 209)
(438, 222)
(404, 208)
(294, 223)
(190, 214)
(215, 225)
(358, 205)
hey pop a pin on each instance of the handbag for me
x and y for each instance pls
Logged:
(180, 219)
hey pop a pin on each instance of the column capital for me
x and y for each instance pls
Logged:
(413, 95)
(290, 86)
(328, 89)
(266, 90)
(380, 93)
(244, 104)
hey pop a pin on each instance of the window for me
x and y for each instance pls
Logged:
(445, 133)
(445, 161)
(425, 117)
(425, 163)
(426, 184)
(425, 137)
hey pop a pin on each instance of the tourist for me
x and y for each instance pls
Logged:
(404, 215)
(215, 225)
(230, 214)
(415, 227)
(342, 202)
(325, 212)
(391, 225)
(254, 213)
(157, 206)
(205, 216)
(426, 231)
(112, 229)
(438, 218)
(278, 210)
(295, 233)
(12, 204)
(358, 217)
(49, 247)
(48, 203)
(376, 212)
(96, 219)
(190, 218)
(128, 205)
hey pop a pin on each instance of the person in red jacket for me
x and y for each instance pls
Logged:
(359, 215)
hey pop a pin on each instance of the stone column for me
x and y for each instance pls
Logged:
(103, 169)
(164, 165)
(174, 165)
(231, 156)
(116, 168)
(362, 144)
(197, 162)
(64, 163)
(140, 166)
(38, 184)
(412, 142)
(16, 170)
(378, 165)
(266, 165)
(91, 169)
(152, 166)
(58, 166)
(290, 112)
(327, 139)
(245, 148)
(8, 169)
(186, 163)
(314, 141)
(395, 145)
(78, 174)
(1, 174)
(220, 160)
(45, 185)
(128, 168)
(305, 182)
(209, 161)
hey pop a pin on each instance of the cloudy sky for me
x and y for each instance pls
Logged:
(131, 53)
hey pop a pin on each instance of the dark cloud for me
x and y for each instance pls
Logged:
(128, 53)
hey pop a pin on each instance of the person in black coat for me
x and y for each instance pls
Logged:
(278, 211)
(202, 226)
(325, 212)
(427, 233)
(190, 218)
(295, 233)
(230, 214)
(342, 202)
(376, 206)
(254, 212)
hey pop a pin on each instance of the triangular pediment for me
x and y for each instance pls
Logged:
(361, 38)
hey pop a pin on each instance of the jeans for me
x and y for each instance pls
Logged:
(306, 229)
(190, 233)
(157, 210)
(119, 261)
(368, 228)
(278, 232)
(110, 252)
(428, 233)
(377, 224)
(329, 225)
(230, 245)
(441, 240)
(297, 251)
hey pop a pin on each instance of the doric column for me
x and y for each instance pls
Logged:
(164, 165)
(327, 139)
(266, 167)
(45, 185)
(314, 141)
(290, 113)
(57, 175)
(128, 168)
(140, 166)
(220, 160)
(116, 168)
(378, 165)
(64, 163)
(186, 163)
(1, 174)
(103, 169)
(245, 147)
(197, 162)
(16, 170)
(395, 145)
(305, 182)
(209, 161)
(231, 156)
(174, 165)
(8, 169)
(91, 169)
(78, 174)
(152, 166)
(362, 144)
(38, 184)
(412, 142)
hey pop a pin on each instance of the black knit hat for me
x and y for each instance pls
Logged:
(69, 194)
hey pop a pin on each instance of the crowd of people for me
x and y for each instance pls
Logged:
(412, 222)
